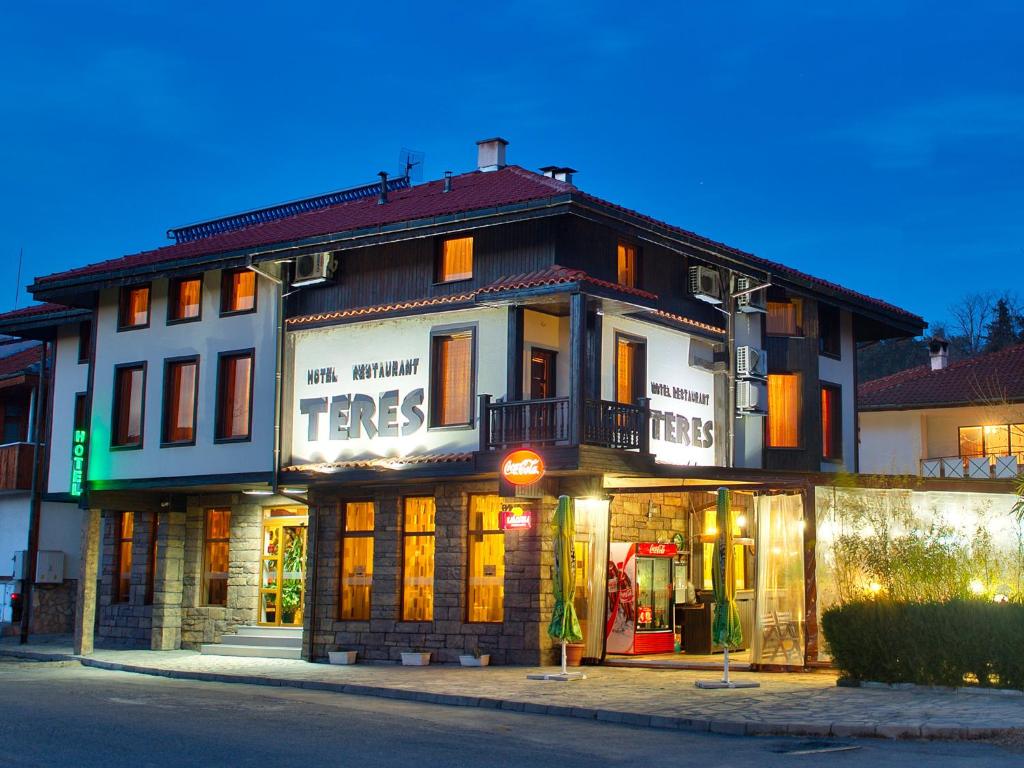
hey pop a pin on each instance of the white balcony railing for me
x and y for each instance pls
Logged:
(999, 467)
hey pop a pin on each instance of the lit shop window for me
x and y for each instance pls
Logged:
(133, 311)
(418, 559)
(785, 318)
(783, 410)
(831, 422)
(455, 260)
(451, 373)
(234, 395)
(216, 546)
(356, 560)
(237, 291)
(180, 379)
(123, 557)
(740, 529)
(129, 396)
(184, 299)
(486, 598)
(628, 265)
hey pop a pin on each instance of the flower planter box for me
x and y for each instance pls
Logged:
(468, 660)
(342, 657)
(415, 659)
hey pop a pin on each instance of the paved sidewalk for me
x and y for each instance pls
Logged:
(794, 704)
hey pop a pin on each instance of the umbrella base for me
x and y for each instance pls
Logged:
(723, 684)
(562, 677)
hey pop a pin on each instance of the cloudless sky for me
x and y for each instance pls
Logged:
(878, 144)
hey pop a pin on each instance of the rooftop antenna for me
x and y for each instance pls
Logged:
(410, 164)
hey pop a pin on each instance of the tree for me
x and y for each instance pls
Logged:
(971, 318)
(1004, 330)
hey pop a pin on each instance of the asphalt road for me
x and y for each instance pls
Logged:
(57, 714)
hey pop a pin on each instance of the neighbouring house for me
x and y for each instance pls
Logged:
(344, 422)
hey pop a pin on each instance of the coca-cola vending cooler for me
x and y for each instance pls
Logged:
(640, 598)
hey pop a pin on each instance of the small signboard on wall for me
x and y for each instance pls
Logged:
(515, 517)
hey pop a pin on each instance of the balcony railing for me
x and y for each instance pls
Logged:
(16, 466)
(550, 422)
(997, 467)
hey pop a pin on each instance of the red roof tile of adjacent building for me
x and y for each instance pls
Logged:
(20, 362)
(475, 191)
(991, 379)
(398, 462)
(46, 308)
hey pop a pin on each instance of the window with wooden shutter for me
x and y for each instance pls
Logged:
(783, 430)
(452, 379)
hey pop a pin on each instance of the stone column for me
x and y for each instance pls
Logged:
(85, 604)
(167, 588)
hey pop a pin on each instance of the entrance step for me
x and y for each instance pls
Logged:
(258, 642)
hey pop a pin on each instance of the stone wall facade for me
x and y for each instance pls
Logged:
(53, 608)
(521, 637)
(127, 623)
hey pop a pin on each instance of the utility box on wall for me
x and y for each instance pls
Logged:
(50, 567)
(20, 566)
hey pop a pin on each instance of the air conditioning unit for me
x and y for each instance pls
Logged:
(313, 268)
(750, 302)
(751, 363)
(750, 398)
(704, 284)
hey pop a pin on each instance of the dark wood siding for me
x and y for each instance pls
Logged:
(385, 274)
(799, 355)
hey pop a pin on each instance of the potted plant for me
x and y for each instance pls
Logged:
(475, 659)
(415, 658)
(574, 654)
(342, 657)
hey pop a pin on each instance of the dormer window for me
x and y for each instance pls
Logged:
(455, 260)
(133, 311)
(628, 265)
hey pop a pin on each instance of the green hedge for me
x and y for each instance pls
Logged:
(928, 643)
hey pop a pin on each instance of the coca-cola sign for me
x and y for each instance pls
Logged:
(522, 467)
(650, 548)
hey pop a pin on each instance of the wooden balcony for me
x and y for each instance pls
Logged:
(554, 421)
(16, 466)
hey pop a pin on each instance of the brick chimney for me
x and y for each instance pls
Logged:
(490, 154)
(938, 350)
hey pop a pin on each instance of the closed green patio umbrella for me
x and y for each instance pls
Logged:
(726, 629)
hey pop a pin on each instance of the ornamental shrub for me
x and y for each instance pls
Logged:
(951, 643)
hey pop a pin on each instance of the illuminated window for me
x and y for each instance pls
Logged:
(129, 399)
(783, 410)
(237, 291)
(630, 369)
(628, 265)
(486, 597)
(133, 311)
(451, 372)
(234, 395)
(418, 559)
(740, 528)
(180, 380)
(1017, 439)
(184, 299)
(356, 560)
(992, 440)
(785, 318)
(455, 261)
(831, 422)
(216, 548)
(123, 557)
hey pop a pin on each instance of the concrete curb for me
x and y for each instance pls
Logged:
(666, 722)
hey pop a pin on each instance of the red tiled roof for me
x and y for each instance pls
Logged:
(379, 309)
(991, 379)
(397, 462)
(556, 275)
(20, 362)
(34, 310)
(473, 191)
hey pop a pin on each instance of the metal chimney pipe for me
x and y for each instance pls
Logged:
(383, 198)
(447, 181)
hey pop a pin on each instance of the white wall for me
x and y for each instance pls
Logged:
(60, 528)
(842, 372)
(668, 355)
(400, 339)
(69, 378)
(14, 514)
(890, 442)
(208, 337)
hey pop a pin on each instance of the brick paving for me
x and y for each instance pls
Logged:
(800, 704)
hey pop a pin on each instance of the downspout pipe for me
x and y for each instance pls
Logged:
(35, 497)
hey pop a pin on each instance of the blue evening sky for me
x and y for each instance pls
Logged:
(878, 144)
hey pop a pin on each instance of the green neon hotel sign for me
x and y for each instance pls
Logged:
(78, 443)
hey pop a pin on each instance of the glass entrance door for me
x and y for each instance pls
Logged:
(283, 567)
